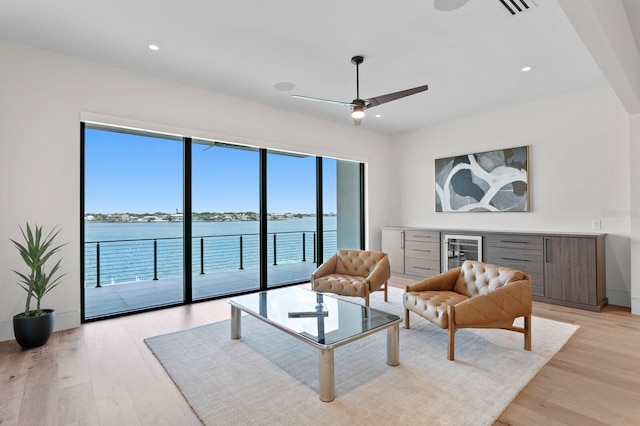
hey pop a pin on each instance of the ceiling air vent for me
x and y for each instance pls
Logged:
(515, 7)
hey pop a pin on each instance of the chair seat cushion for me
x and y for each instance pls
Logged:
(346, 285)
(432, 305)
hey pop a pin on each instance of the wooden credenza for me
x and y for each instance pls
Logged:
(566, 269)
(412, 252)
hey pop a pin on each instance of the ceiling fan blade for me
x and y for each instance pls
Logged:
(378, 100)
(327, 101)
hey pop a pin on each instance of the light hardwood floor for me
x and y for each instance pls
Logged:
(103, 373)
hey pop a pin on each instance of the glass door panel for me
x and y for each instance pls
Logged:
(458, 248)
(329, 208)
(291, 217)
(225, 219)
(133, 235)
(348, 205)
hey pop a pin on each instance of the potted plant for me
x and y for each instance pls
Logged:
(32, 328)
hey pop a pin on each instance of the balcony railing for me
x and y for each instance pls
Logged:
(122, 261)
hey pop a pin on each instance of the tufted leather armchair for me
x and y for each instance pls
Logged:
(477, 295)
(353, 273)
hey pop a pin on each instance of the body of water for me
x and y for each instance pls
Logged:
(137, 251)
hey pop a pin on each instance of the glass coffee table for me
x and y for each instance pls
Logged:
(320, 320)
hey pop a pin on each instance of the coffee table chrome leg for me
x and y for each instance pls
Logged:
(327, 385)
(393, 345)
(235, 322)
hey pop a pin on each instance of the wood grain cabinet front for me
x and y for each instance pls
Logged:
(393, 244)
(566, 269)
(574, 271)
(522, 252)
(422, 253)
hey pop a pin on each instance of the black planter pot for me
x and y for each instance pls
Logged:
(34, 332)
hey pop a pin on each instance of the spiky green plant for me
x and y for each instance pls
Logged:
(36, 252)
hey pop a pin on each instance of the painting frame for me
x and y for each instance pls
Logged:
(488, 181)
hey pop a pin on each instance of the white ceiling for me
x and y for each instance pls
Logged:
(632, 9)
(471, 57)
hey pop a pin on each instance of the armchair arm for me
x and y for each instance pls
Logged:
(441, 282)
(379, 275)
(326, 268)
(508, 302)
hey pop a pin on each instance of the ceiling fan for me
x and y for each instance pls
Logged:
(358, 106)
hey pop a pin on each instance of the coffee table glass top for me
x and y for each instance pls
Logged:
(344, 319)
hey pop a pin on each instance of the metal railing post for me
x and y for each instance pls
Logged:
(155, 260)
(201, 256)
(98, 266)
(274, 249)
(304, 252)
(128, 257)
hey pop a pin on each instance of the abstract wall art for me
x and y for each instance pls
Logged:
(492, 181)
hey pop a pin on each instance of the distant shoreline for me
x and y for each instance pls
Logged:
(160, 217)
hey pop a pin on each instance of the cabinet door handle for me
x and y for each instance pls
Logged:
(517, 260)
(514, 242)
(546, 250)
(402, 239)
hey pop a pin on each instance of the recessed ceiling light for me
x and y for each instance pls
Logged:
(448, 5)
(284, 86)
(525, 69)
(153, 47)
(378, 115)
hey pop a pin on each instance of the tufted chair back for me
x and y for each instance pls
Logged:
(479, 278)
(357, 262)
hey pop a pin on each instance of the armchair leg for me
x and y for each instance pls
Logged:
(406, 318)
(451, 331)
(386, 286)
(527, 333)
(366, 299)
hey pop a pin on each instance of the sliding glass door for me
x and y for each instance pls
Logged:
(168, 220)
(225, 219)
(342, 206)
(291, 217)
(350, 204)
(133, 235)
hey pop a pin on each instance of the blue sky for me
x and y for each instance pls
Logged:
(139, 174)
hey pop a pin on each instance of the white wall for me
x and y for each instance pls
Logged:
(42, 96)
(634, 159)
(579, 171)
(605, 31)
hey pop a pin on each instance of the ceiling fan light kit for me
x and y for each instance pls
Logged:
(358, 112)
(358, 106)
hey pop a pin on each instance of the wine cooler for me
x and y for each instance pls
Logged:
(458, 248)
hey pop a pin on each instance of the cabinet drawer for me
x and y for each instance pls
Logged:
(421, 235)
(527, 261)
(422, 250)
(534, 269)
(527, 242)
(421, 267)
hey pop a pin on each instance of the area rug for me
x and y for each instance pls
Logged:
(270, 378)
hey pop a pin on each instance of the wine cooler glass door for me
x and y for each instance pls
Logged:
(458, 248)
